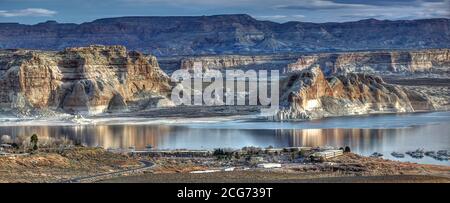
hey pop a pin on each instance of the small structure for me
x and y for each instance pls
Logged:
(149, 147)
(256, 159)
(173, 153)
(286, 149)
(274, 150)
(229, 169)
(327, 154)
(3, 147)
(269, 165)
(206, 171)
(297, 149)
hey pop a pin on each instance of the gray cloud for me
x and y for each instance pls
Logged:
(274, 10)
(27, 12)
(363, 15)
(381, 9)
(384, 2)
(322, 5)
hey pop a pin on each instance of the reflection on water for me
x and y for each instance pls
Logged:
(430, 135)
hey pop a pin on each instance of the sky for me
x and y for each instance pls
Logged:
(79, 11)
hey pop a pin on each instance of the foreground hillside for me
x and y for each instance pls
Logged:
(95, 164)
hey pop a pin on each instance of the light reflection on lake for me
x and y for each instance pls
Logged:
(364, 135)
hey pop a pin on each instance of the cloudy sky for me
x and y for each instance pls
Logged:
(77, 11)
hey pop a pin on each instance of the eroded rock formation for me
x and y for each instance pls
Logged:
(90, 80)
(379, 62)
(309, 94)
(222, 62)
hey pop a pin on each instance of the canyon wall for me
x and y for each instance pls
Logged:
(380, 62)
(223, 62)
(82, 80)
(309, 94)
(428, 60)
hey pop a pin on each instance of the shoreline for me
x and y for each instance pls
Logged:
(109, 119)
(98, 165)
(271, 177)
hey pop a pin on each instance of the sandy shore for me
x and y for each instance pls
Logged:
(271, 177)
(75, 163)
(346, 168)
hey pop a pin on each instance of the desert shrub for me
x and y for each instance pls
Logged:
(223, 153)
(293, 156)
(15, 145)
(303, 153)
(347, 149)
(317, 159)
(218, 152)
(34, 142)
(252, 150)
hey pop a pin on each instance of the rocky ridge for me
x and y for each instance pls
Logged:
(309, 94)
(228, 34)
(83, 80)
(376, 62)
(97, 79)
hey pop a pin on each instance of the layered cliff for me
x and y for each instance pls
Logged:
(380, 62)
(309, 94)
(90, 80)
(228, 34)
(222, 62)
(414, 61)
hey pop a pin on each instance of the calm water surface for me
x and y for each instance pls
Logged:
(364, 134)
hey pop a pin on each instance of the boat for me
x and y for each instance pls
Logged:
(441, 158)
(397, 155)
(417, 154)
(443, 152)
(376, 155)
(430, 154)
(442, 155)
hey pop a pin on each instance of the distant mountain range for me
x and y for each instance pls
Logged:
(228, 34)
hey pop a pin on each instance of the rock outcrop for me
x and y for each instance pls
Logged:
(427, 60)
(223, 62)
(228, 34)
(308, 94)
(378, 62)
(81, 80)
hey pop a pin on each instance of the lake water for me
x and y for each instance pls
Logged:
(364, 134)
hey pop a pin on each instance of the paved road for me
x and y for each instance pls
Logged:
(146, 165)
